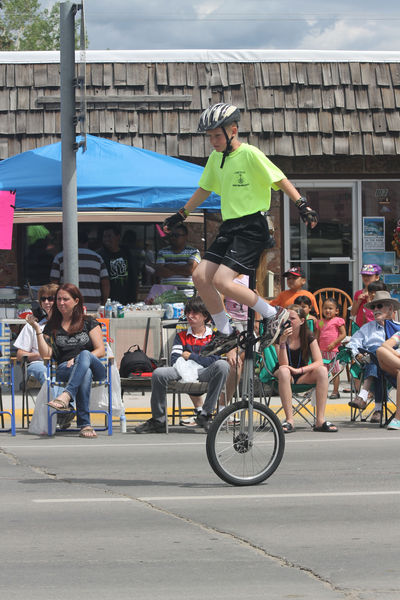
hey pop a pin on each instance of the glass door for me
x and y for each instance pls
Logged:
(328, 253)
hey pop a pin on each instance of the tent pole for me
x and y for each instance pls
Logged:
(68, 156)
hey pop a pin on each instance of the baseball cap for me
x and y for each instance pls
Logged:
(371, 270)
(296, 271)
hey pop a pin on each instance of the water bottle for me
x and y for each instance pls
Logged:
(108, 309)
(122, 421)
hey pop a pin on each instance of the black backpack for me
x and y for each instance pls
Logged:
(136, 361)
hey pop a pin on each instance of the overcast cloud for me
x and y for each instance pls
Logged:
(233, 24)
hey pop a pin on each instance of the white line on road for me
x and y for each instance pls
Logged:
(111, 445)
(223, 497)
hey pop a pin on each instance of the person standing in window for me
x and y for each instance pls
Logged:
(121, 270)
(177, 261)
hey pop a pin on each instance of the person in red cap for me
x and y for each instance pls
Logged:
(296, 282)
(369, 273)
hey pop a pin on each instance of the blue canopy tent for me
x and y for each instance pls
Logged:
(109, 176)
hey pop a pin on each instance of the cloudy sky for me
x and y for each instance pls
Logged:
(233, 24)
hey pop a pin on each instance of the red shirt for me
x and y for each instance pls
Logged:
(364, 315)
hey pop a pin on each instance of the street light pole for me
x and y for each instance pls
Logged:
(68, 155)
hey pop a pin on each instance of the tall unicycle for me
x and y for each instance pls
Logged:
(245, 441)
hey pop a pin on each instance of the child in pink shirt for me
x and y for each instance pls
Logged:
(330, 331)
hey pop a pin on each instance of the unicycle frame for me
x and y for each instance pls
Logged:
(248, 368)
(245, 442)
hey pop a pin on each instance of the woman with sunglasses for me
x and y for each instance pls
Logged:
(26, 342)
(75, 342)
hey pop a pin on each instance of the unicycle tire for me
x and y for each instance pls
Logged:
(232, 457)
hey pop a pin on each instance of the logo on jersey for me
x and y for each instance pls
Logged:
(239, 179)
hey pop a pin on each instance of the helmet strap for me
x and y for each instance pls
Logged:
(228, 148)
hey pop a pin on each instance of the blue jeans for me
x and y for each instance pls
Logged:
(37, 370)
(86, 368)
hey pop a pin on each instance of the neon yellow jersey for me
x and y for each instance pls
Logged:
(244, 183)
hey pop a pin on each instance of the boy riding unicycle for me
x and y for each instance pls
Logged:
(243, 176)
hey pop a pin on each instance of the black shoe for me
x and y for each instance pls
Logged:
(221, 343)
(151, 426)
(203, 421)
(273, 326)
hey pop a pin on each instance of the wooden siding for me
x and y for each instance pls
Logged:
(289, 109)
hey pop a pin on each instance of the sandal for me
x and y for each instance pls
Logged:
(358, 402)
(61, 403)
(334, 396)
(87, 432)
(287, 427)
(326, 427)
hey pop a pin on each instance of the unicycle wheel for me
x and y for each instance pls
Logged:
(243, 456)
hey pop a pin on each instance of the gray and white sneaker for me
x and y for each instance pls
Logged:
(273, 326)
(190, 421)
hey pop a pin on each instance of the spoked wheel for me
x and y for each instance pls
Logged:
(243, 456)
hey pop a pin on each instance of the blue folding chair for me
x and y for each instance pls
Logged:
(52, 383)
(6, 376)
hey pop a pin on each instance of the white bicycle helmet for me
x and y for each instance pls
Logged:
(218, 115)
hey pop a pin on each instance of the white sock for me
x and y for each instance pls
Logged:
(222, 322)
(265, 309)
(363, 394)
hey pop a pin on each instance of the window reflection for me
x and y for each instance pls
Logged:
(333, 235)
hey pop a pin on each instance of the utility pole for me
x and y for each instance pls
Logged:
(68, 143)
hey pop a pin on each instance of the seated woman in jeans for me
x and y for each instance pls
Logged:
(76, 344)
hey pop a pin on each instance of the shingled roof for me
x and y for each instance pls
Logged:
(306, 105)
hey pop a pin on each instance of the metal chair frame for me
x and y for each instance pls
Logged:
(7, 364)
(28, 385)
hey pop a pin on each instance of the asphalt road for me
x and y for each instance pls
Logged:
(145, 517)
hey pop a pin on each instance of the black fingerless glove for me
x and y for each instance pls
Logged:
(307, 214)
(176, 219)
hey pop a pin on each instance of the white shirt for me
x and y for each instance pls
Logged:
(27, 339)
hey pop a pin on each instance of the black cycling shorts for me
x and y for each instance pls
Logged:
(240, 243)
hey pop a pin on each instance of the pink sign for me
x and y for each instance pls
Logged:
(7, 205)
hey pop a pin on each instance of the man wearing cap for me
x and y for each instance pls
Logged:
(295, 281)
(369, 273)
(370, 337)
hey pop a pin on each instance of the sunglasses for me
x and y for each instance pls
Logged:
(176, 235)
(380, 305)
(49, 298)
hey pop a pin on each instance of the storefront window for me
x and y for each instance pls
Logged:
(382, 199)
(39, 244)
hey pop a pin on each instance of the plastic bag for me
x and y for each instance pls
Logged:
(99, 395)
(188, 369)
(39, 421)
